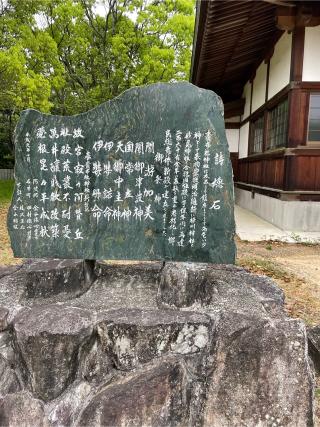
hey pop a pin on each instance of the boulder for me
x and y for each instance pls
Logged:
(3, 318)
(133, 337)
(314, 345)
(48, 278)
(43, 282)
(8, 270)
(6, 347)
(22, 410)
(179, 344)
(180, 282)
(121, 286)
(154, 397)
(261, 374)
(218, 287)
(48, 339)
(9, 382)
(64, 410)
(12, 287)
(95, 366)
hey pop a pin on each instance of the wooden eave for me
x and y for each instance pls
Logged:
(231, 40)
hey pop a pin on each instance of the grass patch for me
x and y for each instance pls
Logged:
(266, 267)
(6, 255)
(6, 190)
(300, 300)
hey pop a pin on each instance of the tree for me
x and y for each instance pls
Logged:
(66, 56)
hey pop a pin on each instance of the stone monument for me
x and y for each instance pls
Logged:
(146, 176)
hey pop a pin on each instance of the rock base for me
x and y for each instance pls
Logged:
(149, 345)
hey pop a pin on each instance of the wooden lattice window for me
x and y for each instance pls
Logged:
(314, 119)
(277, 126)
(256, 138)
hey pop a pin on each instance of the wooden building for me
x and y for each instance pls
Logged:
(263, 58)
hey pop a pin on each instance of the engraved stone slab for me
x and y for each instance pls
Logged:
(146, 175)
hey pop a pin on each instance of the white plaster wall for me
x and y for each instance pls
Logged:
(247, 95)
(279, 75)
(259, 87)
(233, 139)
(311, 56)
(290, 216)
(243, 141)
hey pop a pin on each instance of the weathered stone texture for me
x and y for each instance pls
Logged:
(262, 376)
(48, 339)
(9, 382)
(314, 345)
(64, 410)
(179, 344)
(3, 318)
(47, 278)
(21, 409)
(134, 337)
(154, 397)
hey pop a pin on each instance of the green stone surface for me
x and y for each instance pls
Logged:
(146, 175)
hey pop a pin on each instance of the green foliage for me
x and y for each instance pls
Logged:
(63, 57)
(6, 191)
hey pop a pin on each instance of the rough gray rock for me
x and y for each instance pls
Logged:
(261, 374)
(154, 397)
(8, 270)
(64, 410)
(21, 410)
(9, 382)
(134, 337)
(48, 339)
(122, 286)
(314, 345)
(6, 347)
(95, 365)
(3, 318)
(180, 344)
(218, 287)
(47, 278)
(43, 282)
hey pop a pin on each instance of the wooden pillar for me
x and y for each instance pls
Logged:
(298, 99)
(298, 117)
(297, 50)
